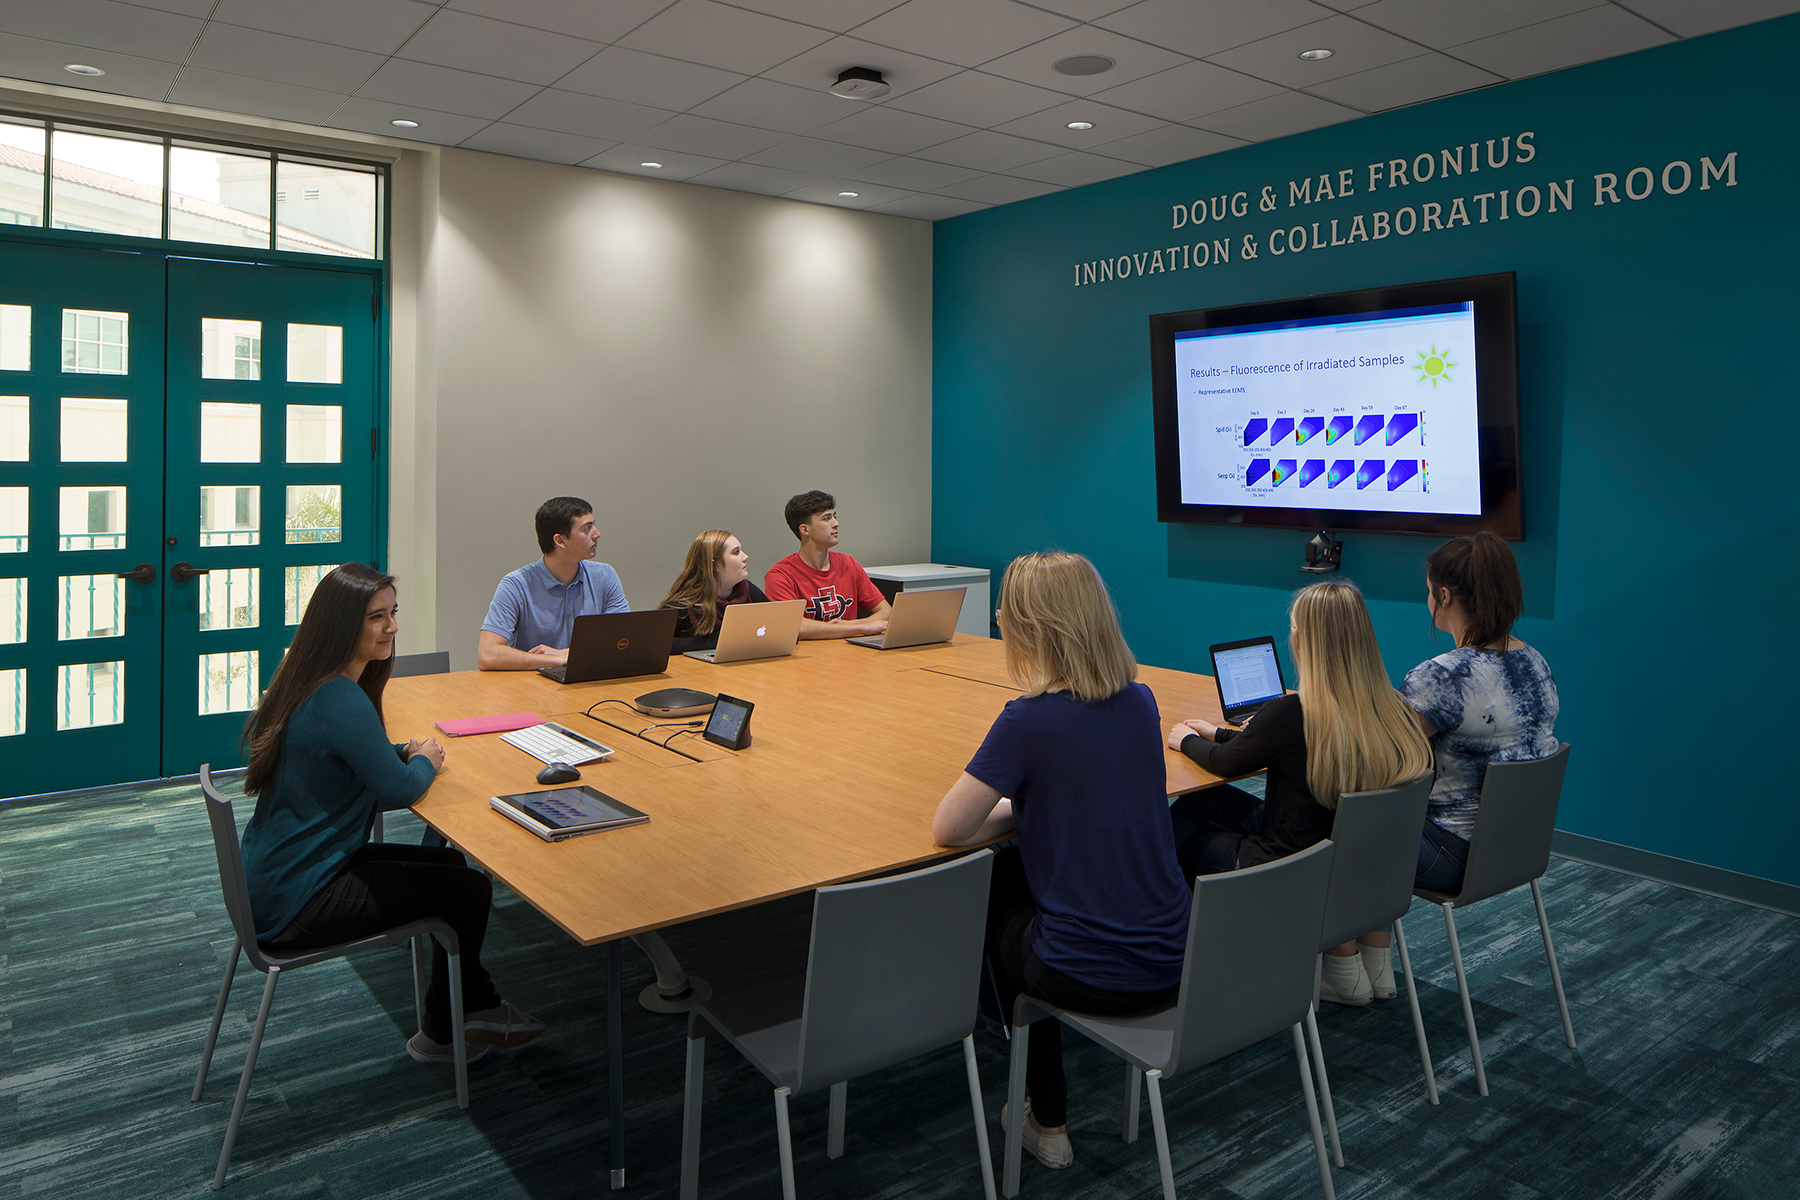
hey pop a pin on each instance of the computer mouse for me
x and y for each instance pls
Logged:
(558, 773)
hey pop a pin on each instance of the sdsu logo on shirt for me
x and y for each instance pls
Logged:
(827, 605)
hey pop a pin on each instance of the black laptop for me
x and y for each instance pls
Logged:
(614, 645)
(1249, 676)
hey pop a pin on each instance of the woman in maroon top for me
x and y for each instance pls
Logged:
(715, 576)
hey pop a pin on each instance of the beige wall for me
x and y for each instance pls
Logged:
(683, 357)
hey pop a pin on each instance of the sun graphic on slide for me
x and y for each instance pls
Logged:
(1434, 365)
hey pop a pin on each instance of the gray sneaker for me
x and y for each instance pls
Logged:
(424, 1050)
(501, 1025)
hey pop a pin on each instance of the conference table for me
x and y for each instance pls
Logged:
(851, 749)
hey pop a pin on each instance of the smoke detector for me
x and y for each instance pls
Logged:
(860, 83)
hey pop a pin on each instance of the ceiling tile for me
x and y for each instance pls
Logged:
(973, 98)
(126, 74)
(630, 160)
(914, 174)
(817, 157)
(998, 189)
(746, 177)
(1205, 27)
(542, 144)
(282, 59)
(892, 129)
(190, 8)
(586, 116)
(990, 151)
(962, 31)
(445, 90)
(1437, 24)
(1037, 64)
(1076, 170)
(1189, 91)
(472, 43)
(826, 14)
(597, 22)
(1346, 5)
(258, 97)
(1083, 10)
(1052, 125)
(717, 36)
(1354, 46)
(770, 105)
(621, 74)
(1564, 42)
(376, 116)
(1278, 116)
(867, 195)
(715, 139)
(820, 66)
(1691, 19)
(104, 25)
(1170, 144)
(929, 208)
(1410, 82)
(378, 25)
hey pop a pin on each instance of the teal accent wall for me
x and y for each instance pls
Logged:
(1659, 394)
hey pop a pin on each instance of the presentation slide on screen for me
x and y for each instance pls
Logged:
(1372, 412)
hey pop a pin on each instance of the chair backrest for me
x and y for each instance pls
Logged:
(231, 866)
(1510, 843)
(894, 969)
(1252, 951)
(1376, 840)
(435, 663)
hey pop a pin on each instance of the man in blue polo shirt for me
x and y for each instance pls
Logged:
(535, 607)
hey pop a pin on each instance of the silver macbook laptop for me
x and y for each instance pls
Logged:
(767, 630)
(919, 619)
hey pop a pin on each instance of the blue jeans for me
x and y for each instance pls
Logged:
(1442, 859)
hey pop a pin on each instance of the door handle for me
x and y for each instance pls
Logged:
(143, 573)
(182, 572)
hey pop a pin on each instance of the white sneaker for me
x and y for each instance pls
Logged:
(424, 1050)
(1052, 1149)
(1378, 964)
(1344, 981)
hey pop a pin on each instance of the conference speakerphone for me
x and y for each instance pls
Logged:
(674, 702)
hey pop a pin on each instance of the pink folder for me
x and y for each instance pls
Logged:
(503, 723)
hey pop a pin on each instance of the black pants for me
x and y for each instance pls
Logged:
(1210, 826)
(387, 885)
(1017, 968)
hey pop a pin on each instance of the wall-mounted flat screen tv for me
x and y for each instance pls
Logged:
(1392, 409)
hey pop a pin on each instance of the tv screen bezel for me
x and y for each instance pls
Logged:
(1495, 297)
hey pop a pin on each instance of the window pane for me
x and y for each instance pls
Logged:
(230, 349)
(228, 598)
(93, 430)
(15, 429)
(92, 518)
(230, 515)
(228, 682)
(89, 606)
(218, 197)
(12, 611)
(315, 513)
(89, 694)
(324, 210)
(300, 584)
(119, 192)
(15, 509)
(21, 174)
(230, 432)
(15, 319)
(315, 433)
(95, 343)
(12, 702)
(315, 354)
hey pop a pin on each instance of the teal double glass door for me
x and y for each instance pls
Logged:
(186, 447)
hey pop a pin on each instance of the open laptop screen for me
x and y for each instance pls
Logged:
(1248, 674)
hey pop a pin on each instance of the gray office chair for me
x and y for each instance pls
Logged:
(243, 924)
(435, 663)
(1376, 840)
(1509, 845)
(891, 974)
(1254, 935)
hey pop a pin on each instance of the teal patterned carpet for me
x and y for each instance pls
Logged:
(112, 940)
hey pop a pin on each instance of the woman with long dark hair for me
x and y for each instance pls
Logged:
(322, 768)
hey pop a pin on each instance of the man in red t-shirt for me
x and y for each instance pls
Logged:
(840, 600)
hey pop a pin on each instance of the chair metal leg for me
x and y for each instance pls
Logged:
(457, 1040)
(212, 1034)
(243, 1092)
(421, 964)
(1134, 1086)
(692, 1092)
(615, 1063)
(1318, 1058)
(1468, 1006)
(1160, 1125)
(1312, 1114)
(1015, 1100)
(834, 1129)
(785, 1137)
(980, 1114)
(1412, 998)
(1562, 1003)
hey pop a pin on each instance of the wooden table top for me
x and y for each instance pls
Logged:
(851, 751)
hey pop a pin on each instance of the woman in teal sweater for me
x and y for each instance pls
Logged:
(322, 768)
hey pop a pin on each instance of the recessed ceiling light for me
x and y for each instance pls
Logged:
(1314, 55)
(652, 166)
(860, 83)
(82, 69)
(1081, 124)
(1083, 64)
(850, 195)
(403, 123)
